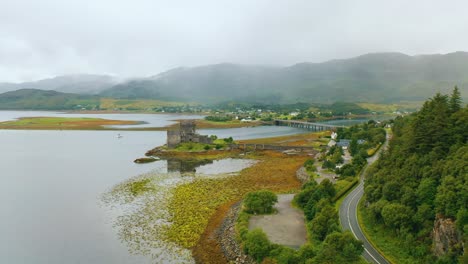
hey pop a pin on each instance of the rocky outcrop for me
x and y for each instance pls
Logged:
(302, 175)
(226, 236)
(145, 160)
(446, 238)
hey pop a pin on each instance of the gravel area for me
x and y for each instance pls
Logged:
(286, 227)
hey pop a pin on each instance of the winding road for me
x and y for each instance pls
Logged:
(348, 213)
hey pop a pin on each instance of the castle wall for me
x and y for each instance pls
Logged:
(186, 133)
(173, 138)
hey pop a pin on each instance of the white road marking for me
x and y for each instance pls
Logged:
(349, 221)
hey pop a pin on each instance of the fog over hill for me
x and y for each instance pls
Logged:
(78, 83)
(378, 77)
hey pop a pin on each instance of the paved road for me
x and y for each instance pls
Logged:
(348, 214)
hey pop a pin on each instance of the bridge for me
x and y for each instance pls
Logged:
(305, 125)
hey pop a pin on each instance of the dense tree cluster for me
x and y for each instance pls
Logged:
(327, 244)
(423, 175)
(364, 137)
(371, 133)
(219, 118)
(334, 156)
(260, 202)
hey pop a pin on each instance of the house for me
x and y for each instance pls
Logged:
(343, 143)
(331, 143)
(334, 135)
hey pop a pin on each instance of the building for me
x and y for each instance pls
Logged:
(344, 143)
(185, 133)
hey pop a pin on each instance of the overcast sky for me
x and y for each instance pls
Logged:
(46, 38)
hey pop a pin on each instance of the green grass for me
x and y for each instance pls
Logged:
(390, 108)
(56, 123)
(49, 120)
(191, 146)
(345, 188)
(384, 240)
(139, 187)
(125, 104)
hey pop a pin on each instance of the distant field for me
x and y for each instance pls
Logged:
(122, 104)
(390, 108)
(65, 123)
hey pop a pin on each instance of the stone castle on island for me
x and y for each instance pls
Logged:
(186, 133)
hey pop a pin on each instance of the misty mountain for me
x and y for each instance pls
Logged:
(379, 77)
(79, 83)
(35, 99)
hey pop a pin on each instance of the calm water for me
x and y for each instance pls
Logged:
(52, 181)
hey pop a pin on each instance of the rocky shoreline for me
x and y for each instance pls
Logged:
(226, 236)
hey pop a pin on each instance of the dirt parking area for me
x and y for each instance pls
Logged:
(286, 227)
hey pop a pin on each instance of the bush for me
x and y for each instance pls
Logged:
(206, 147)
(257, 244)
(228, 140)
(218, 118)
(285, 255)
(260, 202)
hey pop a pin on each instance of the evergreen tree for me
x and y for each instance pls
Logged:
(455, 100)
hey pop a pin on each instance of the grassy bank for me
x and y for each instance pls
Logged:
(63, 123)
(135, 105)
(384, 240)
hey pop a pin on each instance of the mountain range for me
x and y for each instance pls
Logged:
(78, 83)
(378, 77)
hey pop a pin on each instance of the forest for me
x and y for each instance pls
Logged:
(421, 183)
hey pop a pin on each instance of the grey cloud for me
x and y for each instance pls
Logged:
(141, 37)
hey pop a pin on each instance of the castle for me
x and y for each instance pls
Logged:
(186, 133)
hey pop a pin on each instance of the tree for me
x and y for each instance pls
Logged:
(396, 215)
(339, 248)
(391, 191)
(260, 202)
(455, 100)
(257, 244)
(426, 191)
(324, 223)
(447, 199)
(353, 147)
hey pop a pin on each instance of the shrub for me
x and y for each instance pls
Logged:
(242, 225)
(260, 202)
(285, 255)
(257, 245)
(206, 147)
(228, 140)
(218, 118)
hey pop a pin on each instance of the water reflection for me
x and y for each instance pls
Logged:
(207, 166)
(185, 165)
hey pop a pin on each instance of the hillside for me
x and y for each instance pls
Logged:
(46, 100)
(79, 83)
(374, 78)
(416, 195)
(380, 77)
